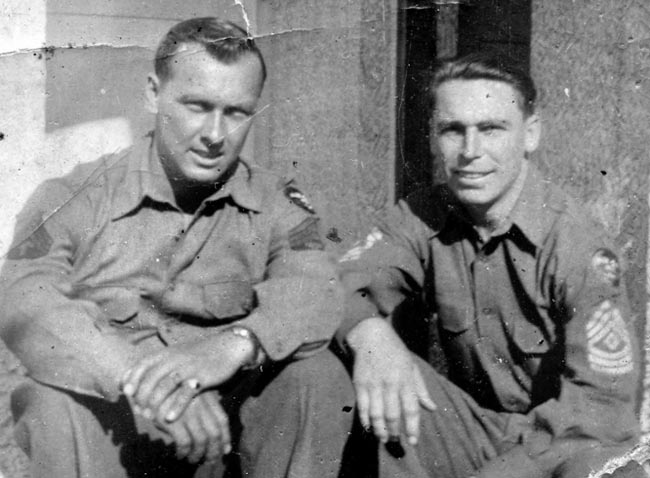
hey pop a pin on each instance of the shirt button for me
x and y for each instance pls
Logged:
(487, 310)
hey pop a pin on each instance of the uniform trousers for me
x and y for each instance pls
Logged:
(289, 420)
(460, 439)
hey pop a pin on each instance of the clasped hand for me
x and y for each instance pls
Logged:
(172, 388)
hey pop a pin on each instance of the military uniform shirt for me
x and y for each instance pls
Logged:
(104, 264)
(535, 321)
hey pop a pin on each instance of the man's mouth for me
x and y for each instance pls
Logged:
(210, 155)
(470, 175)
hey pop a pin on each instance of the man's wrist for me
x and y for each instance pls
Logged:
(363, 333)
(256, 356)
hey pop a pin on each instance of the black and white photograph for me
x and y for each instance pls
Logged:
(325, 238)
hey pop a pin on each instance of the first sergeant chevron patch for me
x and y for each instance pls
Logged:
(608, 341)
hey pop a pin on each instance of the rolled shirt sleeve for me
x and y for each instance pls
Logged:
(385, 268)
(300, 299)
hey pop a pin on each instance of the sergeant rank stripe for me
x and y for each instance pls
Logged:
(608, 342)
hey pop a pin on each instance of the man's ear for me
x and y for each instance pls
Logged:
(151, 93)
(533, 132)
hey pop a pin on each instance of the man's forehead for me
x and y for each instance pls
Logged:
(486, 96)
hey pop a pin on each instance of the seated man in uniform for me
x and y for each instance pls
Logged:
(160, 298)
(527, 297)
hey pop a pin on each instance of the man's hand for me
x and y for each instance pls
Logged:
(166, 382)
(388, 384)
(202, 432)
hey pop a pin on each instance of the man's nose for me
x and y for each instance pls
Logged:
(471, 144)
(214, 130)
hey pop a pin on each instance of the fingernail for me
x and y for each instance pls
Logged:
(171, 416)
(227, 449)
(413, 441)
(129, 389)
(193, 383)
(147, 413)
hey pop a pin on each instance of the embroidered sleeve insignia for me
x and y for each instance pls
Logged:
(305, 236)
(298, 198)
(608, 341)
(359, 248)
(606, 267)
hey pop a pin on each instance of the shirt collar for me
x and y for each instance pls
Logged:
(241, 188)
(146, 179)
(530, 213)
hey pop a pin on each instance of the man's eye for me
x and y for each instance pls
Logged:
(237, 114)
(197, 107)
(450, 130)
(491, 129)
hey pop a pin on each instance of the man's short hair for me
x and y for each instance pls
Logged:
(486, 66)
(223, 40)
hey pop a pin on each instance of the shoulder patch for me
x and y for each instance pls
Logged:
(35, 245)
(606, 267)
(359, 248)
(609, 346)
(305, 236)
(298, 198)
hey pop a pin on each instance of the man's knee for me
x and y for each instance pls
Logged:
(599, 458)
(38, 411)
(320, 373)
(318, 384)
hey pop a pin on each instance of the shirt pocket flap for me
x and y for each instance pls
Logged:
(530, 338)
(229, 299)
(454, 317)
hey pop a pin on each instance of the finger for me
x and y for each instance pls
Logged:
(392, 411)
(150, 379)
(175, 404)
(220, 422)
(376, 413)
(132, 376)
(182, 440)
(422, 391)
(363, 406)
(166, 389)
(213, 430)
(411, 413)
(198, 435)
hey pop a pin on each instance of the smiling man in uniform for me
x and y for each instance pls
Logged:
(527, 297)
(166, 298)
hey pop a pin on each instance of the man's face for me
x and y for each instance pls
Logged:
(482, 135)
(204, 111)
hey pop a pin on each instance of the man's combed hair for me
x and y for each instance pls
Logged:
(224, 40)
(486, 66)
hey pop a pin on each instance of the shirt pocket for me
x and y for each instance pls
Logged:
(229, 299)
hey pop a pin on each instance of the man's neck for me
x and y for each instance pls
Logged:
(497, 215)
